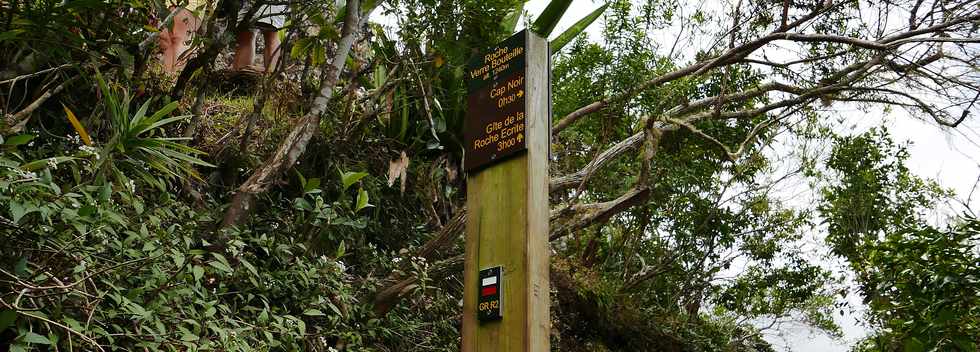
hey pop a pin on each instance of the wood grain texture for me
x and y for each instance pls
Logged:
(538, 103)
(507, 225)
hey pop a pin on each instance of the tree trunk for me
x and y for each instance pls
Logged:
(299, 137)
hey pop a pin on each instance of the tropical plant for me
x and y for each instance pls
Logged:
(674, 135)
(135, 146)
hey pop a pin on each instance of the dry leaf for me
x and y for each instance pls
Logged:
(398, 169)
(450, 171)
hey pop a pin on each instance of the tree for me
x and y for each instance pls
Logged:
(666, 214)
(918, 281)
(620, 158)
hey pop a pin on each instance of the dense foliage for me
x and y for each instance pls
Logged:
(919, 281)
(319, 207)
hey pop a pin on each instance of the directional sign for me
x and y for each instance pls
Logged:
(489, 306)
(495, 116)
(508, 117)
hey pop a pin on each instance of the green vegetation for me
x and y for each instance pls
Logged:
(919, 281)
(320, 207)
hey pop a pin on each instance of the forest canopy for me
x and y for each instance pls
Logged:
(160, 194)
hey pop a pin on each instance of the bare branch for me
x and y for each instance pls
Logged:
(567, 181)
(38, 73)
(587, 214)
(16, 121)
(294, 145)
(738, 54)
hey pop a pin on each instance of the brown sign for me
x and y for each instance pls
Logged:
(494, 127)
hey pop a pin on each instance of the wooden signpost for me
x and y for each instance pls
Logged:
(507, 135)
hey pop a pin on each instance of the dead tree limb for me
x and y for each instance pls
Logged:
(15, 122)
(294, 145)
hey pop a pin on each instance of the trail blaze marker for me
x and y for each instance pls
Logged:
(507, 135)
(490, 300)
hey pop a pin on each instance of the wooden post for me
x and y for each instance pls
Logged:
(507, 195)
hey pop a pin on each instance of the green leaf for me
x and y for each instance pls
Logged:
(7, 318)
(164, 111)
(510, 21)
(138, 310)
(319, 55)
(334, 308)
(31, 337)
(341, 249)
(300, 326)
(17, 211)
(302, 180)
(20, 269)
(913, 344)
(42, 163)
(198, 272)
(368, 4)
(87, 210)
(302, 47)
(220, 266)
(403, 126)
(944, 316)
(249, 267)
(311, 185)
(349, 178)
(19, 139)
(178, 259)
(302, 204)
(550, 16)
(313, 313)
(105, 193)
(362, 200)
(165, 122)
(11, 34)
(138, 117)
(964, 343)
(576, 29)
(379, 77)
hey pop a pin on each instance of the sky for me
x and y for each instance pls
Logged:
(951, 157)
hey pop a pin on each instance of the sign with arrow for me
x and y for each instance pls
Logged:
(495, 116)
(507, 134)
